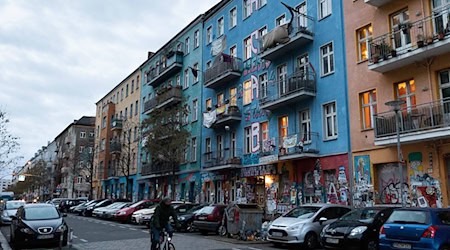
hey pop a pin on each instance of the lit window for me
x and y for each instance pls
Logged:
(208, 103)
(407, 91)
(327, 56)
(283, 126)
(220, 99)
(247, 92)
(330, 120)
(364, 36)
(233, 96)
(264, 131)
(368, 108)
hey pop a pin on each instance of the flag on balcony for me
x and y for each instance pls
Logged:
(209, 118)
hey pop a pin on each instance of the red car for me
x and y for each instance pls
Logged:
(124, 214)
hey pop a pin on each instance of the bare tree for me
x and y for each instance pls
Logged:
(86, 166)
(9, 144)
(36, 177)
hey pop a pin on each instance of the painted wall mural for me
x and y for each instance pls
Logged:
(363, 195)
(389, 184)
(425, 190)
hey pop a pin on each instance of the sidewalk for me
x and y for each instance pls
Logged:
(235, 241)
(4, 242)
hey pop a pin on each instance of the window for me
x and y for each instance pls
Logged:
(208, 149)
(121, 95)
(186, 115)
(283, 126)
(208, 64)
(126, 91)
(186, 153)
(302, 19)
(233, 97)
(247, 140)
(82, 149)
(247, 48)
(208, 103)
(282, 79)
(135, 136)
(209, 35)
(91, 134)
(178, 80)
(187, 44)
(263, 85)
(302, 65)
(233, 17)
(324, 8)
(126, 114)
(264, 131)
(103, 144)
(137, 82)
(327, 56)
(186, 78)
(280, 20)
(132, 86)
(233, 144)
(136, 107)
(330, 116)
(261, 3)
(400, 39)
(219, 145)
(194, 149)
(131, 110)
(368, 108)
(196, 76)
(220, 27)
(406, 91)
(444, 82)
(82, 134)
(364, 36)
(180, 47)
(233, 51)
(143, 103)
(247, 92)
(247, 10)
(194, 110)
(104, 122)
(305, 126)
(220, 99)
(196, 39)
(262, 31)
(79, 179)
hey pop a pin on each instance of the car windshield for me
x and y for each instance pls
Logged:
(14, 204)
(41, 213)
(302, 212)
(137, 204)
(195, 209)
(409, 217)
(206, 210)
(362, 215)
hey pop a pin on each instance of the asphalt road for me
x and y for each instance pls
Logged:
(92, 233)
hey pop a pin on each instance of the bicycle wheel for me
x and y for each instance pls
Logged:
(169, 246)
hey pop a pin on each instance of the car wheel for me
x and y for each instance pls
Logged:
(222, 231)
(204, 232)
(310, 241)
(372, 245)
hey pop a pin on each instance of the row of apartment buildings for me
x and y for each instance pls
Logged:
(287, 105)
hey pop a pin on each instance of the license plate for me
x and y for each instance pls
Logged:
(401, 245)
(277, 234)
(332, 240)
(46, 236)
(202, 218)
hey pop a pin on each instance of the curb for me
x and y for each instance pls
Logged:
(241, 242)
(4, 242)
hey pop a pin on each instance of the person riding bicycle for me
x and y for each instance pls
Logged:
(160, 220)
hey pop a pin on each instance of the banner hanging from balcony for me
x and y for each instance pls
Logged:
(209, 118)
(290, 141)
(259, 171)
(218, 46)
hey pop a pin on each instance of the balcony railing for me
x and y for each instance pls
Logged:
(378, 3)
(298, 143)
(283, 40)
(288, 90)
(411, 42)
(158, 169)
(116, 124)
(227, 115)
(424, 121)
(115, 147)
(225, 69)
(222, 158)
(112, 173)
(165, 69)
(166, 97)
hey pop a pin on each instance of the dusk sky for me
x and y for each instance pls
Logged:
(58, 58)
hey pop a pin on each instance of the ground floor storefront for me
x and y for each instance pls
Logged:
(426, 175)
(118, 188)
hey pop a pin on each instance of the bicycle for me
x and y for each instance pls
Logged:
(165, 241)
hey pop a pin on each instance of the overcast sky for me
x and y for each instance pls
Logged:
(58, 58)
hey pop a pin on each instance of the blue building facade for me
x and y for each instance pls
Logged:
(275, 104)
(168, 79)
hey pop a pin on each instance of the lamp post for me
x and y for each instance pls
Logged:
(396, 106)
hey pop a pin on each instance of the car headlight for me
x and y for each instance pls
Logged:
(121, 213)
(358, 230)
(26, 230)
(181, 218)
(324, 230)
(61, 228)
(296, 227)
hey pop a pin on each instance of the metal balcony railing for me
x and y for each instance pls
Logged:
(115, 147)
(116, 124)
(410, 36)
(164, 69)
(227, 114)
(158, 168)
(288, 89)
(223, 70)
(166, 96)
(423, 117)
(229, 156)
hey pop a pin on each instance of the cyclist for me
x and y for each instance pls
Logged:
(160, 220)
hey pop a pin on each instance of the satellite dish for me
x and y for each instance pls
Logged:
(21, 178)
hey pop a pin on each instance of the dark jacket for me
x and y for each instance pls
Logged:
(162, 215)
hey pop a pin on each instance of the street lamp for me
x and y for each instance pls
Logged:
(396, 106)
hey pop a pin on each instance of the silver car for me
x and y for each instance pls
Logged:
(9, 208)
(304, 224)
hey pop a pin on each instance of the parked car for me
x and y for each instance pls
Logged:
(186, 219)
(9, 209)
(81, 209)
(88, 211)
(209, 218)
(110, 210)
(125, 214)
(66, 204)
(72, 208)
(142, 215)
(38, 224)
(358, 229)
(179, 206)
(416, 228)
(57, 201)
(303, 224)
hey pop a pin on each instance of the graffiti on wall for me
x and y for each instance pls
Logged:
(389, 189)
(363, 195)
(425, 190)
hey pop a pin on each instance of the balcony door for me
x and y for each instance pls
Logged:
(400, 29)
(441, 14)
(282, 79)
(444, 83)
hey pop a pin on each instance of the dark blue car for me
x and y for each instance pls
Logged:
(416, 228)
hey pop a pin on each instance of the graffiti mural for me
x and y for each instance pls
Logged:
(426, 191)
(389, 184)
(363, 190)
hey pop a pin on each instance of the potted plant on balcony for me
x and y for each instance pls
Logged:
(441, 34)
(385, 50)
(420, 40)
(429, 39)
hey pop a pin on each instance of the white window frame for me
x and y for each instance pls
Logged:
(220, 26)
(263, 85)
(247, 48)
(233, 18)
(280, 20)
(333, 119)
(208, 64)
(364, 40)
(178, 80)
(329, 55)
(193, 149)
(196, 39)
(441, 84)
(248, 140)
(327, 10)
(194, 110)
(219, 146)
(246, 8)
(83, 134)
(186, 79)
(262, 31)
(305, 125)
(245, 91)
(372, 108)
(262, 3)
(209, 34)
(233, 51)
(82, 147)
(187, 42)
(208, 149)
(196, 68)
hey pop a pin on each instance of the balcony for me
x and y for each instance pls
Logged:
(166, 97)
(410, 43)
(165, 69)
(293, 89)
(115, 147)
(116, 124)
(157, 169)
(225, 69)
(282, 40)
(113, 173)
(221, 159)
(378, 3)
(227, 115)
(429, 121)
(292, 147)
(83, 187)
